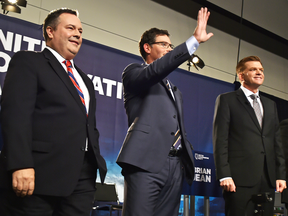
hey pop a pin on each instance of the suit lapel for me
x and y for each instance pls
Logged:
(177, 97)
(178, 106)
(176, 100)
(62, 74)
(265, 107)
(243, 100)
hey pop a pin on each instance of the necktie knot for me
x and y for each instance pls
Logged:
(253, 96)
(68, 63)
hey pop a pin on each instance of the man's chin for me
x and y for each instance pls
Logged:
(73, 52)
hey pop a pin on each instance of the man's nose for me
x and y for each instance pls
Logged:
(77, 34)
(260, 71)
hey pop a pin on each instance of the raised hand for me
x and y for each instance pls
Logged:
(200, 31)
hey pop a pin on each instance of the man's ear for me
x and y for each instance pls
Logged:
(240, 76)
(49, 31)
(147, 48)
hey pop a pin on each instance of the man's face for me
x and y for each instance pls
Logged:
(67, 38)
(253, 76)
(156, 50)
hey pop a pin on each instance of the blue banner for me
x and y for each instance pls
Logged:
(205, 183)
(104, 66)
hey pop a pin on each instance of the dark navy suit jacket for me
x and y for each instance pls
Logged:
(153, 115)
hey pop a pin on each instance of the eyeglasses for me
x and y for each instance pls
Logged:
(164, 44)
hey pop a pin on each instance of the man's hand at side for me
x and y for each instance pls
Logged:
(280, 185)
(23, 182)
(228, 185)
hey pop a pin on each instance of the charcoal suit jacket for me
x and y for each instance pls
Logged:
(284, 135)
(241, 146)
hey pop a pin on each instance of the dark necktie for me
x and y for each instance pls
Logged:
(177, 139)
(170, 89)
(72, 78)
(256, 107)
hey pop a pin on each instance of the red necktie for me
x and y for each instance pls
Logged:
(70, 73)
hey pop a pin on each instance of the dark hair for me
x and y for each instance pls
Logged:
(52, 19)
(149, 37)
(241, 64)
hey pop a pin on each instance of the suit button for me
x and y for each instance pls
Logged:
(82, 148)
(172, 133)
(263, 137)
(174, 116)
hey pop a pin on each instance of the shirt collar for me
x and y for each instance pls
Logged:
(58, 56)
(247, 92)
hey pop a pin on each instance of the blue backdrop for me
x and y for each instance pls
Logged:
(104, 66)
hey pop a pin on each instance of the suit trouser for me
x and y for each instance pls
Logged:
(153, 194)
(239, 203)
(79, 203)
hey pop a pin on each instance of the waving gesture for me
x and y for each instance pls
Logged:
(200, 31)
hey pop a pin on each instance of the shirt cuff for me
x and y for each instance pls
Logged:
(192, 45)
(222, 179)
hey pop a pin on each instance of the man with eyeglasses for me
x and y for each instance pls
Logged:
(155, 153)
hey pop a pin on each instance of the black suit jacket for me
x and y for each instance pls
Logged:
(284, 136)
(44, 123)
(240, 145)
(153, 115)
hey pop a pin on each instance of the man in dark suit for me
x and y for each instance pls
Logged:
(247, 144)
(284, 136)
(50, 156)
(151, 166)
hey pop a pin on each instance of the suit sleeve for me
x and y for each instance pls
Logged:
(280, 159)
(284, 139)
(17, 107)
(137, 78)
(220, 137)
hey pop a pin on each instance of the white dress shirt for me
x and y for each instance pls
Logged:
(79, 81)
